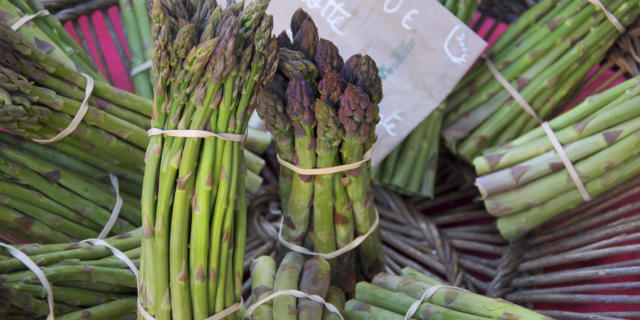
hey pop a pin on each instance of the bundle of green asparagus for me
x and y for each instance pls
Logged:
(545, 55)
(137, 27)
(322, 112)
(87, 281)
(410, 169)
(312, 277)
(390, 297)
(47, 34)
(208, 62)
(463, 9)
(524, 183)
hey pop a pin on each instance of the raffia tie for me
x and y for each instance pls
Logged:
(115, 212)
(426, 296)
(37, 271)
(140, 68)
(294, 293)
(22, 21)
(352, 245)
(77, 119)
(320, 171)
(573, 173)
(612, 18)
(197, 134)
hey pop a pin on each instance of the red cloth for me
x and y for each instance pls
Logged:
(121, 80)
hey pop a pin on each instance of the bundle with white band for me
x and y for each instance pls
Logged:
(352, 245)
(22, 21)
(295, 293)
(612, 18)
(115, 212)
(77, 119)
(573, 173)
(320, 171)
(197, 134)
(37, 271)
(141, 68)
(425, 297)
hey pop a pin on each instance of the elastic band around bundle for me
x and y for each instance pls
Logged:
(37, 271)
(141, 68)
(426, 296)
(573, 173)
(115, 212)
(22, 21)
(197, 134)
(320, 171)
(610, 16)
(295, 293)
(352, 245)
(77, 119)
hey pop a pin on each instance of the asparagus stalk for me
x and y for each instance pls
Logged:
(336, 297)
(141, 82)
(358, 116)
(315, 280)
(300, 108)
(263, 274)
(358, 310)
(287, 276)
(455, 299)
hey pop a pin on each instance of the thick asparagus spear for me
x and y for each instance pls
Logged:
(287, 276)
(263, 274)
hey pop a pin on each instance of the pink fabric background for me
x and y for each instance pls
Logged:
(121, 80)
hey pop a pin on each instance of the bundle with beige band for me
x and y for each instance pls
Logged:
(37, 271)
(573, 173)
(293, 293)
(320, 171)
(203, 134)
(26, 18)
(419, 296)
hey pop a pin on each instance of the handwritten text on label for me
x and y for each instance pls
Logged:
(390, 123)
(333, 11)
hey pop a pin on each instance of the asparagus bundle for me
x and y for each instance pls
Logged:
(463, 9)
(322, 113)
(207, 64)
(138, 33)
(47, 34)
(410, 169)
(545, 56)
(524, 183)
(389, 297)
(87, 281)
(312, 277)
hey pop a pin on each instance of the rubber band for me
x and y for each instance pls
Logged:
(227, 312)
(510, 89)
(123, 257)
(573, 173)
(294, 293)
(612, 18)
(37, 271)
(22, 21)
(426, 296)
(352, 245)
(77, 119)
(115, 212)
(140, 68)
(197, 134)
(320, 171)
